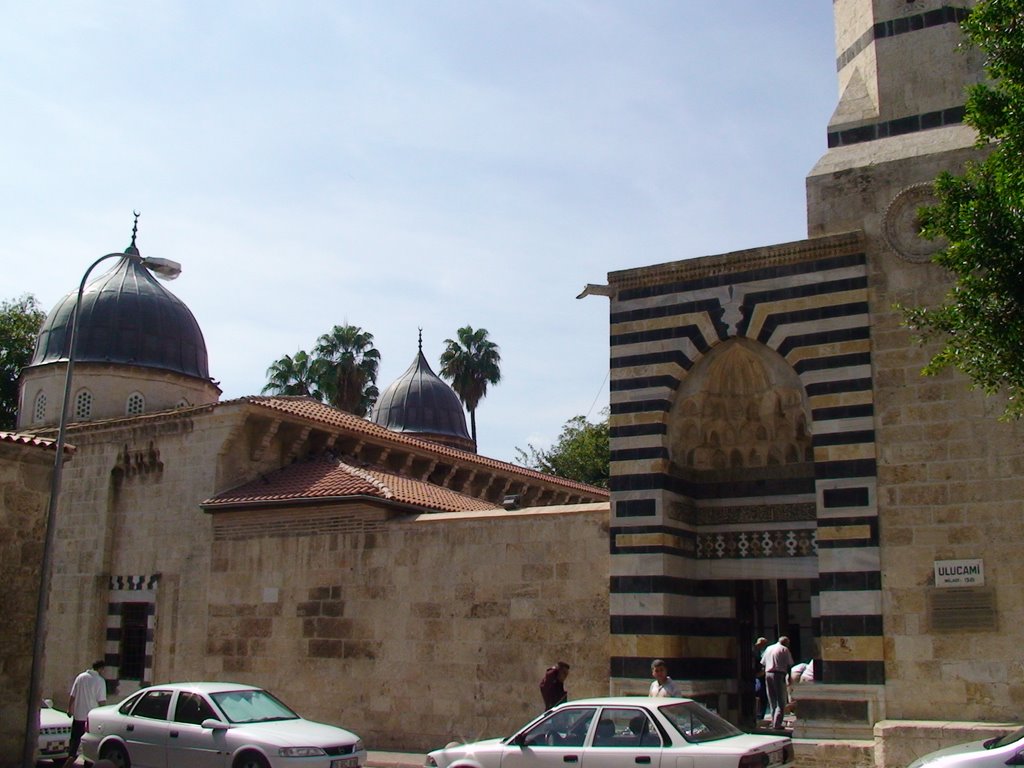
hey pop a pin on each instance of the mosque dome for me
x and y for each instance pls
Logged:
(418, 403)
(126, 317)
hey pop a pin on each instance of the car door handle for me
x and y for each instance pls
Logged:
(643, 760)
(130, 728)
(174, 734)
(570, 759)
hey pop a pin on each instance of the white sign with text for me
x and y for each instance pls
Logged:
(959, 573)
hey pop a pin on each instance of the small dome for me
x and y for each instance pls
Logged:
(420, 404)
(126, 317)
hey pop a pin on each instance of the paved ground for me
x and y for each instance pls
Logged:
(394, 760)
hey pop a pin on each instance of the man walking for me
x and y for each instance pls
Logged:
(87, 692)
(777, 662)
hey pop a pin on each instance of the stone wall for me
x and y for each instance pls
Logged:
(417, 630)
(24, 493)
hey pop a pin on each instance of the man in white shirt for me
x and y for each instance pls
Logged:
(87, 692)
(777, 662)
(663, 685)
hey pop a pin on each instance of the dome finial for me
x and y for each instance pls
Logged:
(135, 231)
(421, 339)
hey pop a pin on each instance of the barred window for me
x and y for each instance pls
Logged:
(83, 405)
(136, 404)
(39, 410)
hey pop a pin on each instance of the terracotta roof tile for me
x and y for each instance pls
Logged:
(326, 477)
(314, 410)
(25, 438)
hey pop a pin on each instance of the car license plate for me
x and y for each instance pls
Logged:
(345, 762)
(775, 758)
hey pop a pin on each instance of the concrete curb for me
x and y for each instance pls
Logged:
(375, 759)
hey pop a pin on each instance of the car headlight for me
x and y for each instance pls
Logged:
(359, 746)
(431, 762)
(300, 752)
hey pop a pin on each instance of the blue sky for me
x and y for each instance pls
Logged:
(396, 165)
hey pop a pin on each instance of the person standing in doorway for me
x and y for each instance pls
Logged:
(777, 662)
(87, 692)
(552, 685)
(662, 685)
(760, 693)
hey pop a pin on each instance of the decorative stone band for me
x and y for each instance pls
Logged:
(947, 14)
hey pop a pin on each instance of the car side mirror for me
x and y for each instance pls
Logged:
(1017, 759)
(519, 739)
(214, 724)
(48, 703)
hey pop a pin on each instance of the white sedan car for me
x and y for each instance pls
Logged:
(998, 751)
(214, 725)
(615, 732)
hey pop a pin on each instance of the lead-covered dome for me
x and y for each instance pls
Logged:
(126, 317)
(420, 404)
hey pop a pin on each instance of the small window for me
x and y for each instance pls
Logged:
(153, 705)
(39, 409)
(136, 404)
(83, 405)
(193, 708)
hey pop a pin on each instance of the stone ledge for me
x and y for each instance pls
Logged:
(900, 742)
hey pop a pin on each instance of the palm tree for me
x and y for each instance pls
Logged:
(349, 368)
(294, 376)
(470, 364)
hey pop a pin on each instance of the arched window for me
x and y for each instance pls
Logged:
(136, 404)
(83, 405)
(39, 408)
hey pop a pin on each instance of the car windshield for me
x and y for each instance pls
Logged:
(251, 707)
(696, 723)
(1005, 740)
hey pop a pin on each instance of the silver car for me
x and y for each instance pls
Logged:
(613, 732)
(214, 725)
(1007, 749)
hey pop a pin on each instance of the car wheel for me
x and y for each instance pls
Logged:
(251, 760)
(116, 754)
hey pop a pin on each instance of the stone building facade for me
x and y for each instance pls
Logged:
(779, 463)
(26, 466)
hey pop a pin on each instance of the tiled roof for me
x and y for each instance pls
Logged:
(24, 438)
(326, 477)
(308, 408)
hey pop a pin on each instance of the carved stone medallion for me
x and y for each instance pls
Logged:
(901, 226)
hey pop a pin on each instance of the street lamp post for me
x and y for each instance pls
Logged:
(163, 268)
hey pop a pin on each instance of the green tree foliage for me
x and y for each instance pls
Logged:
(582, 453)
(348, 362)
(294, 376)
(981, 215)
(470, 363)
(342, 371)
(20, 321)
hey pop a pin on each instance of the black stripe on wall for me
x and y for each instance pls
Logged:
(898, 127)
(644, 382)
(674, 356)
(835, 413)
(869, 625)
(824, 336)
(835, 361)
(641, 406)
(811, 314)
(685, 668)
(638, 430)
(853, 581)
(855, 672)
(844, 438)
(846, 497)
(671, 585)
(690, 626)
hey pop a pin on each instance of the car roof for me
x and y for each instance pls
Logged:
(625, 701)
(203, 687)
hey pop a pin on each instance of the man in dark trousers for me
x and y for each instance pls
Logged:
(552, 685)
